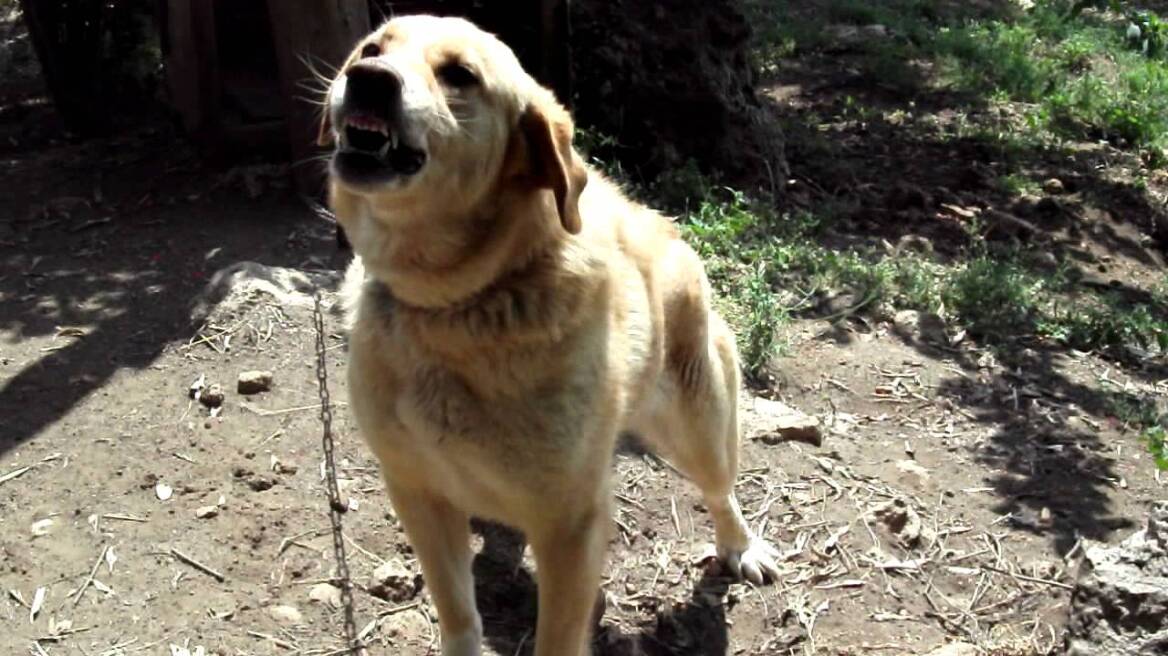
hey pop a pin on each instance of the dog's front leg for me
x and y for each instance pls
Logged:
(569, 557)
(440, 536)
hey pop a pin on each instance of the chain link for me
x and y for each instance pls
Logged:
(337, 508)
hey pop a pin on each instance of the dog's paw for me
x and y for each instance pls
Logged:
(758, 563)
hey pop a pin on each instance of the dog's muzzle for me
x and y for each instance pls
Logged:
(371, 147)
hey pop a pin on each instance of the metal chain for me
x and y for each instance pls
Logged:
(337, 508)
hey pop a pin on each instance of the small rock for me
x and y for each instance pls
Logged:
(1046, 259)
(286, 615)
(918, 475)
(325, 593)
(391, 581)
(212, 397)
(920, 326)
(163, 491)
(197, 386)
(1118, 605)
(206, 512)
(254, 382)
(1053, 186)
(773, 422)
(260, 483)
(901, 521)
(41, 527)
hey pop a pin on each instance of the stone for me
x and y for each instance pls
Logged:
(920, 326)
(1120, 602)
(917, 474)
(212, 397)
(1053, 186)
(254, 382)
(325, 593)
(206, 512)
(773, 422)
(286, 615)
(901, 521)
(392, 582)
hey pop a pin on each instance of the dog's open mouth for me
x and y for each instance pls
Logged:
(373, 151)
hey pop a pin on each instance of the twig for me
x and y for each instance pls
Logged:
(89, 579)
(125, 518)
(673, 514)
(363, 550)
(284, 644)
(16, 473)
(269, 413)
(196, 564)
(1030, 579)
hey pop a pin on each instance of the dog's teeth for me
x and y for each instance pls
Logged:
(384, 152)
(383, 129)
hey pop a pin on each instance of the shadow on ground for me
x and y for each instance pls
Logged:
(106, 243)
(506, 595)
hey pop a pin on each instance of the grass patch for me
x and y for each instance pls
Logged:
(770, 268)
(1081, 74)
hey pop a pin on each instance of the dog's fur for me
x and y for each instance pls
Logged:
(513, 312)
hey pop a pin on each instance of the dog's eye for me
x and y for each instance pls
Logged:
(371, 50)
(456, 75)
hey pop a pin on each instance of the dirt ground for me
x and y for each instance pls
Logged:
(947, 502)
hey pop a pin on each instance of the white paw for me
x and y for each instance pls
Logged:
(758, 563)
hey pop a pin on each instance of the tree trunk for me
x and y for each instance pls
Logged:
(67, 36)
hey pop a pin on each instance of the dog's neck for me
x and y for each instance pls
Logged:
(434, 262)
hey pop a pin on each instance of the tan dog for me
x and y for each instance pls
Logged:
(509, 321)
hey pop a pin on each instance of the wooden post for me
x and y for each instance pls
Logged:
(322, 32)
(192, 69)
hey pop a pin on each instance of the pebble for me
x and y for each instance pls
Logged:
(254, 382)
(391, 581)
(212, 397)
(286, 615)
(325, 593)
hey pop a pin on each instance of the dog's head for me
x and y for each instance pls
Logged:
(434, 117)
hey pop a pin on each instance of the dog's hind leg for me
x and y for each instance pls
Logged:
(694, 419)
(440, 536)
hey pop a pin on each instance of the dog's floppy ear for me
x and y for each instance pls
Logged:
(551, 162)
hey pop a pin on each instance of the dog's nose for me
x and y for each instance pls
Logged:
(372, 84)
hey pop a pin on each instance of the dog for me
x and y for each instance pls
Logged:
(512, 312)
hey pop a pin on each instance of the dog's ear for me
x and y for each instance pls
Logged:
(551, 161)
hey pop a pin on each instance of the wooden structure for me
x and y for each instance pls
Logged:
(239, 73)
(227, 60)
